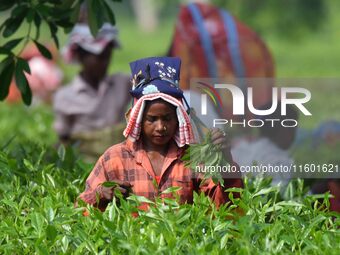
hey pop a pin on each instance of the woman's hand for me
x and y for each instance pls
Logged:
(108, 192)
(219, 137)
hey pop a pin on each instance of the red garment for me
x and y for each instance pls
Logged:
(129, 162)
(227, 46)
(334, 188)
(158, 179)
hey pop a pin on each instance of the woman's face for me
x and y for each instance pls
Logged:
(95, 66)
(159, 124)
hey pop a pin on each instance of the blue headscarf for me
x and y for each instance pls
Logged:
(156, 75)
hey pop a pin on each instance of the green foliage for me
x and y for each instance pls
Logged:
(39, 186)
(207, 155)
(7, 67)
(292, 18)
(24, 125)
(37, 215)
(57, 15)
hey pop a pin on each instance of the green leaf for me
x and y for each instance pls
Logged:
(10, 203)
(6, 4)
(37, 23)
(184, 218)
(22, 64)
(239, 190)
(140, 199)
(92, 16)
(61, 152)
(224, 240)
(217, 180)
(222, 226)
(54, 31)
(64, 242)
(51, 233)
(171, 190)
(43, 9)
(37, 221)
(21, 81)
(43, 50)
(61, 14)
(75, 13)
(69, 4)
(12, 25)
(51, 180)
(65, 23)
(155, 184)
(7, 67)
(4, 51)
(109, 184)
(43, 250)
(101, 13)
(290, 203)
(109, 12)
(30, 15)
(28, 165)
(265, 191)
(50, 215)
(19, 10)
(172, 202)
(12, 43)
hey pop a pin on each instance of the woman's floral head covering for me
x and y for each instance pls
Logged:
(156, 74)
(158, 78)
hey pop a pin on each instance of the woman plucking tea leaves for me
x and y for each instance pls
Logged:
(158, 133)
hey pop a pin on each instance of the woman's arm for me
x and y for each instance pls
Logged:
(106, 169)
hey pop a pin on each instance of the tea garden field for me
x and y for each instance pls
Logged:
(39, 185)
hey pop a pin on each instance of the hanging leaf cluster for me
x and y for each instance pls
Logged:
(206, 158)
(57, 14)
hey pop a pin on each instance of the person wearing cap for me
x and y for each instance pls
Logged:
(157, 134)
(90, 110)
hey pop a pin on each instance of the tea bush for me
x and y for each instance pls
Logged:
(39, 186)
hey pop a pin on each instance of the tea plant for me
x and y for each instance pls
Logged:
(39, 187)
(206, 154)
